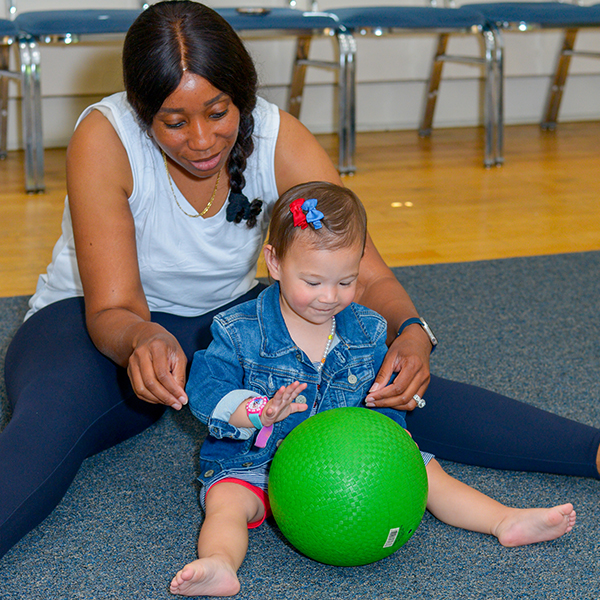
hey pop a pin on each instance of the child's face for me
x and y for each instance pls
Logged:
(315, 284)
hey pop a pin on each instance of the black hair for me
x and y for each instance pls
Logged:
(171, 37)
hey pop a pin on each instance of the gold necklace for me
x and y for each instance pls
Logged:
(207, 207)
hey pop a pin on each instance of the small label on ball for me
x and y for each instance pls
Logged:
(391, 538)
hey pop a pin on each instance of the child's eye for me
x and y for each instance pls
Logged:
(312, 283)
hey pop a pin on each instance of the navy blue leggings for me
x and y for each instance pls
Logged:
(70, 402)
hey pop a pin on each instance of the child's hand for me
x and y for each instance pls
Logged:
(282, 404)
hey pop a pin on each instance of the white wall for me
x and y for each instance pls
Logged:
(391, 77)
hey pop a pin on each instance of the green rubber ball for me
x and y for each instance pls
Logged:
(348, 487)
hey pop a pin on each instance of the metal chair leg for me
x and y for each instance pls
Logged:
(4, 64)
(500, 98)
(347, 103)
(555, 91)
(433, 86)
(494, 81)
(299, 75)
(33, 140)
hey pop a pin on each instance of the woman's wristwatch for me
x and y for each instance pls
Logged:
(424, 325)
(254, 410)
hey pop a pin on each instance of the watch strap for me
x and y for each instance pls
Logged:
(255, 420)
(418, 321)
(411, 321)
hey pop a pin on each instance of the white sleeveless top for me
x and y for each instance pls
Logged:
(187, 266)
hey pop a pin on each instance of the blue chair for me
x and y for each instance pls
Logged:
(303, 25)
(37, 28)
(589, 19)
(398, 20)
(529, 16)
(8, 36)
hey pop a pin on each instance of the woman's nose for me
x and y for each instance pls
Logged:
(200, 136)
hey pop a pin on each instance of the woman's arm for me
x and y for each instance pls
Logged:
(300, 158)
(99, 183)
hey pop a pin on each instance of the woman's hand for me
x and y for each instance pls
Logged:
(282, 404)
(408, 356)
(157, 367)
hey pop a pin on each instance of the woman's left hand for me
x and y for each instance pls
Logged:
(408, 356)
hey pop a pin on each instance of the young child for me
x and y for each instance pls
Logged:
(300, 348)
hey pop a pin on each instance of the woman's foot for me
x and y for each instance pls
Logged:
(210, 576)
(528, 526)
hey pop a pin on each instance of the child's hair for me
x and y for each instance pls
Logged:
(344, 221)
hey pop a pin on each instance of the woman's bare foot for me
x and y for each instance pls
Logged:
(210, 576)
(528, 526)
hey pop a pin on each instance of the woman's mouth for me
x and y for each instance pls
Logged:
(207, 164)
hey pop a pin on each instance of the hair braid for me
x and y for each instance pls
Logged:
(239, 207)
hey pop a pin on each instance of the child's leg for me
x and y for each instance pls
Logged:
(222, 543)
(457, 504)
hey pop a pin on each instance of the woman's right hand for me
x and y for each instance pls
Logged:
(117, 314)
(157, 367)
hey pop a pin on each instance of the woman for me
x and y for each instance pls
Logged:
(170, 191)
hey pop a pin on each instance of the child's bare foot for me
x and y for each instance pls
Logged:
(210, 576)
(528, 526)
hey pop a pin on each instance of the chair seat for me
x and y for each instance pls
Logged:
(540, 14)
(76, 22)
(409, 17)
(7, 28)
(287, 19)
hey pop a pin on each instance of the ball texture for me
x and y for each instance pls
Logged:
(348, 487)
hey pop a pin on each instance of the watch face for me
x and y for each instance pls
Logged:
(255, 405)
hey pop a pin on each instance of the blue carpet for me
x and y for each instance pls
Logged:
(527, 327)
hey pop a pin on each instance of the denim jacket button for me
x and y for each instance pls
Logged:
(278, 443)
(209, 473)
(300, 399)
(352, 379)
(247, 464)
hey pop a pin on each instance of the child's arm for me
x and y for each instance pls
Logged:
(280, 406)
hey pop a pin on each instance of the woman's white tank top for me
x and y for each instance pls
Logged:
(188, 266)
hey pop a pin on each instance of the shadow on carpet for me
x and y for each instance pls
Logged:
(526, 327)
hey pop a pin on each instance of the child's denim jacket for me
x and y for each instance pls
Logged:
(253, 354)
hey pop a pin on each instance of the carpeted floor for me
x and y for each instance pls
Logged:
(527, 327)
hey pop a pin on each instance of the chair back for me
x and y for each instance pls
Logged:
(13, 7)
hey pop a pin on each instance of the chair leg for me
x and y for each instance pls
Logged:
(433, 86)
(32, 116)
(299, 75)
(4, 64)
(347, 103)
(495, 81)
(555, 91)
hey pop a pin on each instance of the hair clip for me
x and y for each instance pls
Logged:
(297, 208)
(313, 215)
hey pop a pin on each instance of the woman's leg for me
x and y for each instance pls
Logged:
(471, 425)
(69, 402)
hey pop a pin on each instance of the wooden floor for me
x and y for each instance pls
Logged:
(428, 200)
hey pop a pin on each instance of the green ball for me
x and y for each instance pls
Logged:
(348, 487)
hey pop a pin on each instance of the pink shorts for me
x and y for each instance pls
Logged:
(262, 496)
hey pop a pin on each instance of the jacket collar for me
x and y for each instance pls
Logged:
(275, 339)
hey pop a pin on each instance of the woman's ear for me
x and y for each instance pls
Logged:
(272, 262)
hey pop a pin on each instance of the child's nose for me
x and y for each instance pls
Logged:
(329, 295)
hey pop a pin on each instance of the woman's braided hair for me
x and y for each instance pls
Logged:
(177, 35)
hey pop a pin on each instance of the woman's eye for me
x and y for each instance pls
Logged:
(219, 115)
(174, 125)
